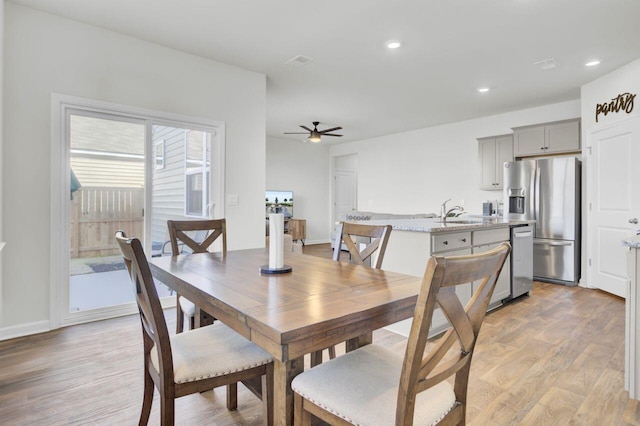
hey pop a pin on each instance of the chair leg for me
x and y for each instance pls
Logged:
(167, 410)
(179, 316)
(301, 417)
(332, 352)
(232, 396)
(147, 399)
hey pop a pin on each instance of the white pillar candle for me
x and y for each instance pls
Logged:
(276, 241)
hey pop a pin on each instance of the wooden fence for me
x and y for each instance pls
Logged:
(97, 213)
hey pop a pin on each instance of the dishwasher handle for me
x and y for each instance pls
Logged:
(523, 234)
(555, 243)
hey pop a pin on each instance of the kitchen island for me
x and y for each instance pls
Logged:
(413, 241)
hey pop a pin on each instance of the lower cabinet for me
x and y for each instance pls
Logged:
(408, 252)
(439, 322)
(503, 286)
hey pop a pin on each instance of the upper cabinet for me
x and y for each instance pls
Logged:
(493, 153)
(549, 138)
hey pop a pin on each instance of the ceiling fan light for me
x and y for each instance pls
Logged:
(314, 137)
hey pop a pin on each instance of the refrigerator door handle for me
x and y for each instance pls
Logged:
(555, 243)
(536, 193)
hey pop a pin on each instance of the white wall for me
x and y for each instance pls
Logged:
(1, 140)
(623, 80)
(304, 169)
(414, 172)
(47, 54)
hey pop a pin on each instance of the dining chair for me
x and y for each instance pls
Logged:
(194, 361)
(373, 385)
(361, 241)
(206, 232)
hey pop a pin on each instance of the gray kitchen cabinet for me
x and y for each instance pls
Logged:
(486, 240)
(453, 244)
(493, 152)
(548, 138)
(408, 252)
(439, 322)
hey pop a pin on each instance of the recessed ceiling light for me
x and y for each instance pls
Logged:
(483, 89)
(592, 63)
(393, 44)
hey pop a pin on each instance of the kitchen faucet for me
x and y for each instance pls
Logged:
(444, 212)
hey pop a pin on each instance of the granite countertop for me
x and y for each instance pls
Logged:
(462, 223)
(633, 242)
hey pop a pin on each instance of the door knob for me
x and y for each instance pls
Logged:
(634, 221)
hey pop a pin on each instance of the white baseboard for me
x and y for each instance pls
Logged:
(26, 329)
(37, 327)
(312, 242)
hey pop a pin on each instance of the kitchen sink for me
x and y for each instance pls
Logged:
(460, 221)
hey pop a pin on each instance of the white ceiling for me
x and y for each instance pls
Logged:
(450, 48)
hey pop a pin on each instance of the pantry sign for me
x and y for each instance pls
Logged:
(622, 102)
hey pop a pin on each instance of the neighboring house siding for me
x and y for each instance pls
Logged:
(168, 183)
(94, 171)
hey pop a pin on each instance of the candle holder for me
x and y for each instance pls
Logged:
(264, 269)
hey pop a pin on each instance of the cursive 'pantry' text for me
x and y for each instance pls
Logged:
(622, 102)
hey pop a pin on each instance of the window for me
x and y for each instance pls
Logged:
(197, 170)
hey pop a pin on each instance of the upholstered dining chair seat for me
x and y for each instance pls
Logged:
(187, 306)
(361, 387)
(211, 351)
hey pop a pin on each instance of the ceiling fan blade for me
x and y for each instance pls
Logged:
(330, 130)
(331, 134)
(294, 133)
(306, 128)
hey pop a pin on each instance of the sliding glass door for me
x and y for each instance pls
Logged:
(123, 170)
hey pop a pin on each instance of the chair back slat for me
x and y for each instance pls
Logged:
(455, 314)
(213, 229)
(420, 371)
(154, 326)
(349, 233)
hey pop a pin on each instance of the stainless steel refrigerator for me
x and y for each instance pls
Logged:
(548, 191)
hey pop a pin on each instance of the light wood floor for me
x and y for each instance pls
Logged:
(553, 358)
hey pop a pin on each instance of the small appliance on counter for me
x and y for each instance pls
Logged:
(487, 208)
(492, 208)
(548, 191)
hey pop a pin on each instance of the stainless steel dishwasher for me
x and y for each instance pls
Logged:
(521, 260)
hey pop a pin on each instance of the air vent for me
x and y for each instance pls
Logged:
(298, 61)
(547, 64)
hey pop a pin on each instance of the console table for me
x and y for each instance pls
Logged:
(298, 229)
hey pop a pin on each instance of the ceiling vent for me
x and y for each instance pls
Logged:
(298, 61)
(547, 64)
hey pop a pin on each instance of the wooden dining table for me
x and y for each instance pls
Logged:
(320, 303)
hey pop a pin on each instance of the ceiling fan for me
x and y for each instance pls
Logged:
(315, 134)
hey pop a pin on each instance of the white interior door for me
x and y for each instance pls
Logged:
(345, 193)
(614, 205)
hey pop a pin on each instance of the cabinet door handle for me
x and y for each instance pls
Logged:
(445, 242)
(464, 240)
(542, 147)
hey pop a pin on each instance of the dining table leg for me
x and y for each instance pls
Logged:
(283, 374)
(358, 342)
